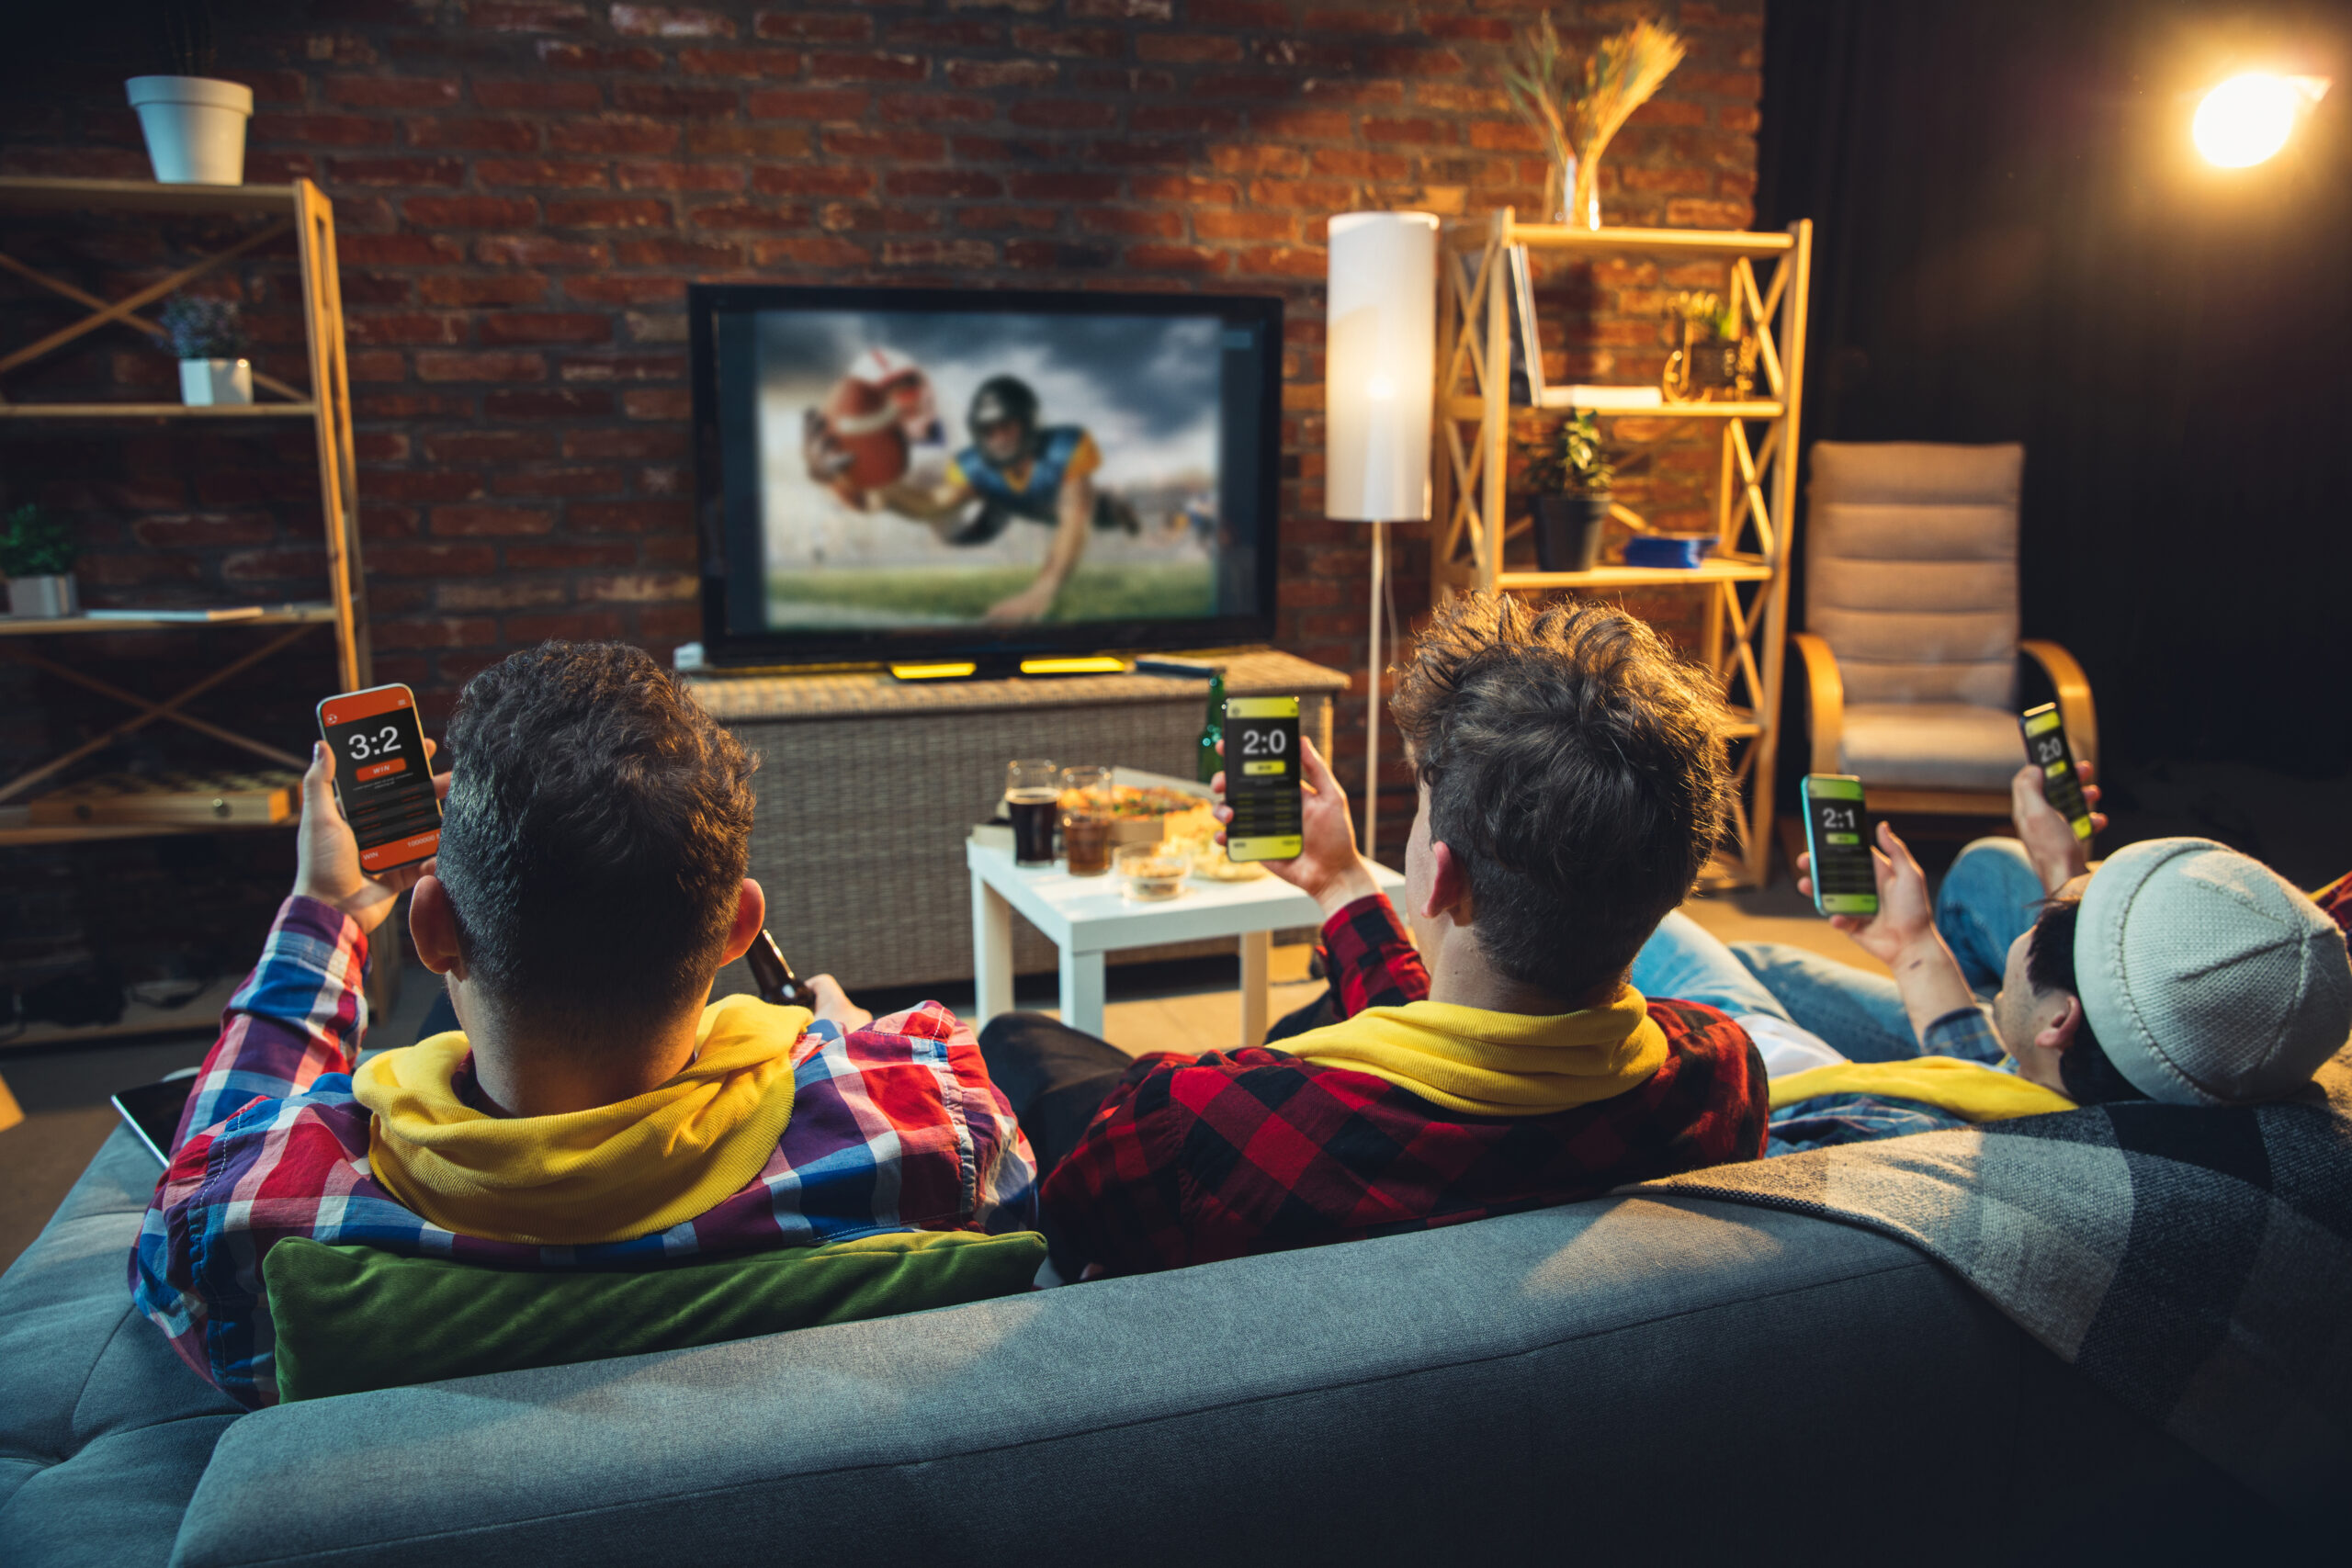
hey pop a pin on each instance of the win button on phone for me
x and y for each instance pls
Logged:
(379, 770)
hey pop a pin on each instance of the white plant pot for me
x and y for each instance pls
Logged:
(207, 382)
(50, 598)
(194, 128)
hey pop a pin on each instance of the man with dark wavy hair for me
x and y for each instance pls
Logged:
(1572, 785)
(589, 1111)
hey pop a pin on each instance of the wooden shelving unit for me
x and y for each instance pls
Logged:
(1744, 583)
(302, 210)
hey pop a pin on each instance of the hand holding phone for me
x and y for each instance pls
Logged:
(1262, 779)
(381, 775)
(2062, 784)
(1844, 880)
(332, 862)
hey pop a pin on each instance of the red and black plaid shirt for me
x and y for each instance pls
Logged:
(1193, 1160)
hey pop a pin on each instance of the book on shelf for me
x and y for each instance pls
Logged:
(1603, 398)
(218, 613)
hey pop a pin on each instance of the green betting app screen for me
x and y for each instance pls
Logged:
(381, 776)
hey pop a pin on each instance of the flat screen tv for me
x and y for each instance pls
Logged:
(901, 474)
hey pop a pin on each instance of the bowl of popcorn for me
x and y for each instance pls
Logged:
(1150, 873)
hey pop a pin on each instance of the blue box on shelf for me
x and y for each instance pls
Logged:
(1680, 552)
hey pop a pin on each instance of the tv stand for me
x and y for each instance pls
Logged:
(868, 786)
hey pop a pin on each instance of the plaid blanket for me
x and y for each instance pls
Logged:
(2194, 1263)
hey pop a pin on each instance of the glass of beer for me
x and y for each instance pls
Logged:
(1033, 799)
(1086, 820)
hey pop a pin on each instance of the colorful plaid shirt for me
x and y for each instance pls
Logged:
(1193, 1160)
(894, 1127)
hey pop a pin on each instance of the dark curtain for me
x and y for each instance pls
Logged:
(2016, 241)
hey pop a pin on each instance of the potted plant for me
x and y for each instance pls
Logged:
(37, 552)
(1573, 497)
(1715, 358)
(194, 123)
(210, 342)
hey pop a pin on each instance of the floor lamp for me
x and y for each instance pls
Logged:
(1380, 355)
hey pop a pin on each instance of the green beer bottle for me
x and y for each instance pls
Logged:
(1208, 761)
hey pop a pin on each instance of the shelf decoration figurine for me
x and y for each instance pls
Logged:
(37, 551)
(211, 344)
(1715, 359)
(1573, 485)
(1576, 119)
(195, 124)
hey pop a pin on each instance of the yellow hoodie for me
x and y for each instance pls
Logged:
(1970, 1090)
(607, 1174)
(1496, 1064)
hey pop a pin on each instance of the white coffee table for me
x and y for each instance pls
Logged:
(1085, 917)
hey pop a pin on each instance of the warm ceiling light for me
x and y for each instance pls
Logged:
(2247, 118)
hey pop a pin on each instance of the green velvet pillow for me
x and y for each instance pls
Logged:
(351, 1318)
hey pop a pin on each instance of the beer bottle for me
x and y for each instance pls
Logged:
(773, 975)
(1208, 761)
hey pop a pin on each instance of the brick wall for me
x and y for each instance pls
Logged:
(524, 188)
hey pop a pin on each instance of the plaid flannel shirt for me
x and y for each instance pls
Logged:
(894, 1127)
(1193, 1160)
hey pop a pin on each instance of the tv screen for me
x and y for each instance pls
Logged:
(923, 473)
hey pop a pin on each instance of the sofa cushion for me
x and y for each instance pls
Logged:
(1931, 746)
(351, 1318)
(103, 1429)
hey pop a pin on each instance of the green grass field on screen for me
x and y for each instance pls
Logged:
(925, 595)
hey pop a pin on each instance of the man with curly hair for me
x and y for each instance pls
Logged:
(1572, 785)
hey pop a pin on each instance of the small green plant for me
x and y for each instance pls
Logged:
(202, 328)
(34, 544)
(1710, 311)
(1576, 464)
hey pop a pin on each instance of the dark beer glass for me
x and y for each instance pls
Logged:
(1033, 800)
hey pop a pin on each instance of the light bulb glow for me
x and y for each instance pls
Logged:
(1380, 389)
(2247, 118)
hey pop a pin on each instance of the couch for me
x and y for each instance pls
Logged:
(1627, 1380)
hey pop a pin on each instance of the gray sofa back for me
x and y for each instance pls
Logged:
(1627, 1378)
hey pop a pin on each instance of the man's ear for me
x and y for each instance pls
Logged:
(432, 926)
(1449, 887)
(2059, 1033)
(751, 918)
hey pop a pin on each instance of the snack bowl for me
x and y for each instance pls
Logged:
(1150, 873)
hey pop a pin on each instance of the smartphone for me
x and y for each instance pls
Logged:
(1262, 779)
(2062, 785)
(381, 776)
(1844, 882)
(772, 973)
(152, 1111)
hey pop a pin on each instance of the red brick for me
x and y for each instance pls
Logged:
(564, 174)
(629, 516)
(808, 103)
(1062, 113)
(387, 171)
(624, 367)
(1461, 98)
(503, 593)
(1380, 61)
(671, 21)
(668, 625)
(377, 365)
(928, 108)
(943, 183)
(1243, 226)
(658, 402)
(749, 63)
(1669, 111)
(601, 625)
(1176, 258)
(1236, 14)
(492, 520)
(747, 215)
(410, 404)
(664, 102)
(879, 65)
(492, 366)
(391, 92)
(752, 140)
(1064, 187)
(814, 29)
(321, 130)
(1690, 213)
(430, 561)
(1184, 188)
(480, 289)
(822, 252)
(588, 57)
(1481, 30)
(567, 481)
(610, 290)
(1056, 256)
(532, 326)
(991, 74)
(1183, 116)
(439, 484)
(540, 93)
(612, 134)
(381, 446)
(639, 587)
(441, 631)
(207, 531)
(1318, 197)
(938, 252)
(1159, 223)
(671, 250)
(1083, 43)
(569, 554)
(641, 212)
(812, 179)
(1231, 84)
(626, 443)
(1346, 163)
(906, 145)
(1186, 47)
(1420, 133)
(380, 327)
(528, 16)
(489, 445)
(1039, 218)
(471, 211)
(483, 135)
(1286, 261)
(679, 176)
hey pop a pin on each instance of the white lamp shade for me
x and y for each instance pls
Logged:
(1379, 362)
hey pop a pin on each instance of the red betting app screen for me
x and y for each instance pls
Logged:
(381, 775)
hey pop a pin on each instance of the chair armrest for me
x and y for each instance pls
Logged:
(1826, 699)
(2073, 688)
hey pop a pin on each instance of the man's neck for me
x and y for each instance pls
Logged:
(530, 1075)
(1462, 977)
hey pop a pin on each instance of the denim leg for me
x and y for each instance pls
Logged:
(1685, 961)
(1990, 895)
(1856, 1012)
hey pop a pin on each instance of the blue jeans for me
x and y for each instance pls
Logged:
(1990, 896)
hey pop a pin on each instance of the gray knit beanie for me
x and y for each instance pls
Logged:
(2207, 979)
